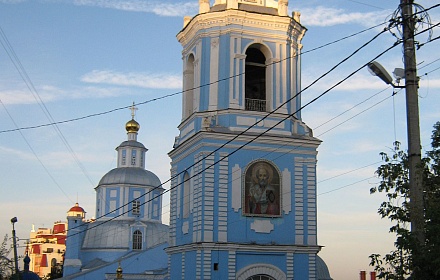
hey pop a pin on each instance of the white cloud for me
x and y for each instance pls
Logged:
(158, 8)
(143, 80)
(49, 93)
(324, 16)
(11, 1)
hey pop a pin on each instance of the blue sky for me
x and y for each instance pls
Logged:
(94, 56)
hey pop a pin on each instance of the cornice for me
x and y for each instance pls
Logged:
(240, 22)
(307, 145)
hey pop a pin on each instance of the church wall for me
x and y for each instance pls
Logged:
(213, 215)
(301, 267)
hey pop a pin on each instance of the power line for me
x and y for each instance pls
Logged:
(180, 92)
(27, 80)
(259, 135)
(262, 133)
(336, 176)
(35, 154)
(348, 172)
(270, 129)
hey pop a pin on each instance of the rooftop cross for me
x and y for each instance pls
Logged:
(133, 110)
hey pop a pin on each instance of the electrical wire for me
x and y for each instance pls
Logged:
(35, 154)
(27, 80)
(300, 108)
(332, 190)
(180, 92)
(264, 132)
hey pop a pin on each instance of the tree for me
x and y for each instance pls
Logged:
(6, 265)
(408, 260)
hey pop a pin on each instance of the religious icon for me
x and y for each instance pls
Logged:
(261, 190)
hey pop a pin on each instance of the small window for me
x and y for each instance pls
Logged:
(136, 207)
(133, 157)
(124, 157)
(49, 250)
(137, 240)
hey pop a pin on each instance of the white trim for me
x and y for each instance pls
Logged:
(287, 191)
(262, 226)
(236, 188)
(213, 74)
(261, 268)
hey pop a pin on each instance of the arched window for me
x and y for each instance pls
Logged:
(186, 195)
(188, 85)
(255, 79)
(137, 240)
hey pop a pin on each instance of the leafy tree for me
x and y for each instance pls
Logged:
(408, 260)
(6, 265)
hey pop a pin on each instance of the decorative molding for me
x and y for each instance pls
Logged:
(261, 268)
(214, 42)
(231, 265)
(262, 226)
(222, 198)
(287, 191)
(227, 246)
(185, 227)
(236, 188)
(290, 266)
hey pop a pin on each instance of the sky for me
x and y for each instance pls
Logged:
(82, 62)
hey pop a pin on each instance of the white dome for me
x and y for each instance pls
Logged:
(130, 176)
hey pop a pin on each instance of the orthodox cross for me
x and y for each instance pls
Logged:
(133, 110)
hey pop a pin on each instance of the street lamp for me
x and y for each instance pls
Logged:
(14, 242)
(376, 69)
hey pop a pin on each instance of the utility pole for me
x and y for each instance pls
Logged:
(416, 209)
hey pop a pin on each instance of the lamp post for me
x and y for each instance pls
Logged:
(14, 242)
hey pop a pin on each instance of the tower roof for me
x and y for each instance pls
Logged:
(77, 208)
(131, 176)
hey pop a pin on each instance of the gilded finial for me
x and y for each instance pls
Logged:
(132, 126)
(119, 271)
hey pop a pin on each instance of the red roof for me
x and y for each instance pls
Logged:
(59, 228)
(77, 208)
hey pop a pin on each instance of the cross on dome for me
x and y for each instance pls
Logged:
(133, 110)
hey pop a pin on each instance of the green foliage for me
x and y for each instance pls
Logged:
(408, 261)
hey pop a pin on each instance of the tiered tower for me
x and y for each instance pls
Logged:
(243, 200)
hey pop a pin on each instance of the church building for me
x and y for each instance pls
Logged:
(128, 231)
(243, 167)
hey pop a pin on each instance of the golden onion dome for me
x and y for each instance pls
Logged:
(132, 126)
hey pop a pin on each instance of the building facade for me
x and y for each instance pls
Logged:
(243, 169)
(46, 249)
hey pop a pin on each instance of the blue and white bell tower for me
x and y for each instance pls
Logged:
(243, 199)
